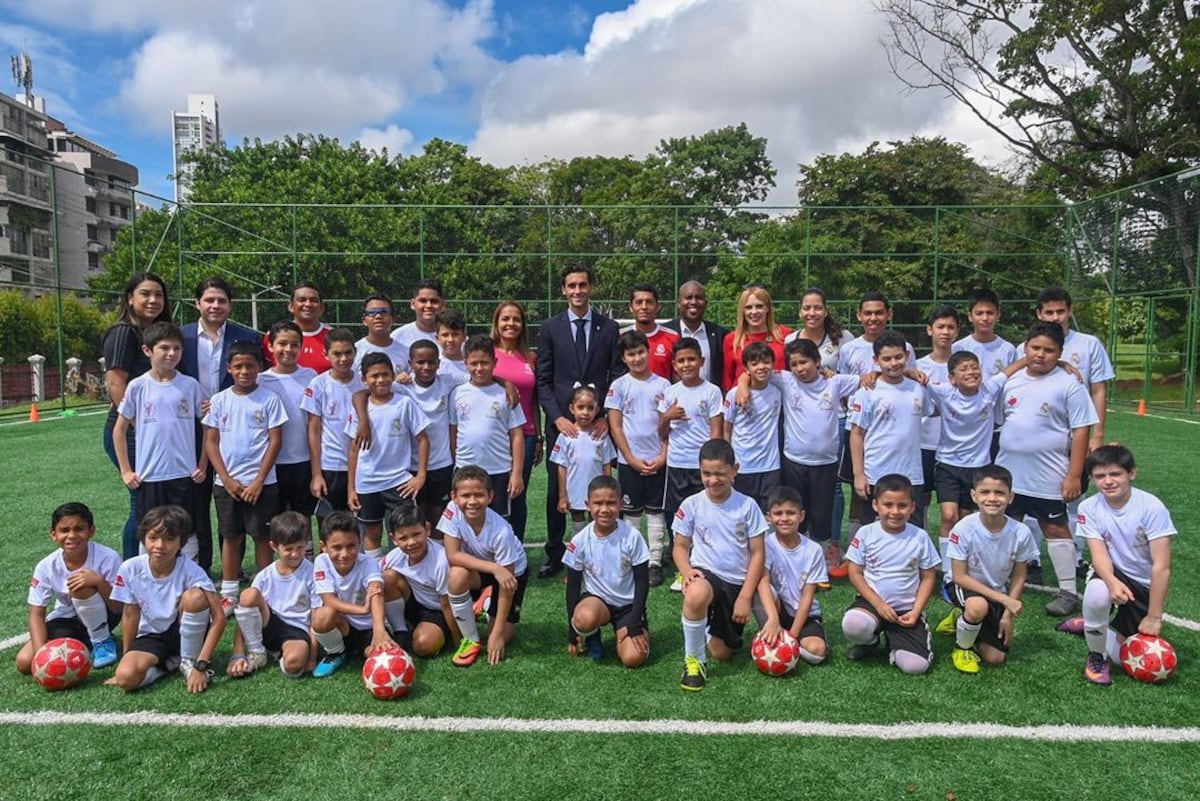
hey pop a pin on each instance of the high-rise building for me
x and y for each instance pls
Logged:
(195, 129)
(26, 210)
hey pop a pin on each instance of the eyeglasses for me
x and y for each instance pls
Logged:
(377, 313)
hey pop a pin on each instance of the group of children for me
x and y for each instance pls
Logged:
(391, 438)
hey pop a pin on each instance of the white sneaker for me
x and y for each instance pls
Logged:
(677, 584)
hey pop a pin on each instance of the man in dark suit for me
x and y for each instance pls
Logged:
(693, 302)
(205, 358)
(575, 347)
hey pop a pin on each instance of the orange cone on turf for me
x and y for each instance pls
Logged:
(33, 413)
(1142, 407)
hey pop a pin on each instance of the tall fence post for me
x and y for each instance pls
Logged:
(58, 287)
(37, 378)
(1, 382)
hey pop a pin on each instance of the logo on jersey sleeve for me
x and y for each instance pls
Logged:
(120, 581)
(33, 582)
(1081, 518)
(854, 543)
(954, 537)
(571, 547)
(612, 392)
(680, 514)
(1012, 401)
(319, 575)
(308, 392)
(448, 513)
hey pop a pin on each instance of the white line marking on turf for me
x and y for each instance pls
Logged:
(1062, 733)
(52, 416)
(1181, 622)
(14, 641)
(1159, 417)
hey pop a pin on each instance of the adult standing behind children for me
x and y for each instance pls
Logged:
(693, 303)
(755, 323)
(516, 364)
(576, 346)
(306, 308)
(143, 303)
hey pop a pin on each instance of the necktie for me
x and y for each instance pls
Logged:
(581, 342)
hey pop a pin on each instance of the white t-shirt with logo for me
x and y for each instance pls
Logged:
(429, 579)
(829, 350)
(291, 387)
(245, 422)
(638, 401)
(892, 563)
(495, 542)
(891, 417)
(163, 414)
(939, 376)
(857, 357)
(720, 532)
(585, 458)
(810, 416)
(51, 573)
(701, 403)
(990, 555)
(993, 358)
(291, 598)
(434, 403)
(157, 598)
(384, 465)
(409, 333)
(607, 562)
(1127, 531)
(484, 421)
(397, 351)
(790, 570)
(331, 400)
(1088, 356)
(755, 432)
(966, 436)
(350, 588)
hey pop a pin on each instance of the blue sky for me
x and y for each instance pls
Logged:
(516, 80)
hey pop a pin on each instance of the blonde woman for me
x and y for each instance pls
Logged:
(755, 323)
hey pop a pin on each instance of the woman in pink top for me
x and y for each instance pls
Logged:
(755, 323)
(515, 363)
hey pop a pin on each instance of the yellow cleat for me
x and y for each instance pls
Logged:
(965, 661)
(949, 622)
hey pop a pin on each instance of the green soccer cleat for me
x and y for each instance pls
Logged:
(949, 623)
(467, 653)
(965, 660)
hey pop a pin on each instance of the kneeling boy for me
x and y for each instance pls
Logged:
(416, 585)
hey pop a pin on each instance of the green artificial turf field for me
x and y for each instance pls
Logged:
(55, 461)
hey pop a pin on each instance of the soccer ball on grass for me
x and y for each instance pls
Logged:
(777, 659)
(389, 673)
(61, 664)
(1149, 659)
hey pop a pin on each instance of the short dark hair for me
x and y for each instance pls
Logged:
(632, 340)
(1108, 455)
(174, 521)
(399, 517)
(471, 472)
(785, 494)
(805, 348)
(338, 335)
(307, 285)
(284, 325)
(718, 450)
(576, 268)
(289, 528)
(480, 343)
(983, 295)
(643, 287)
(429, 283)
(873, 296)
(687, 343)
(958, 357)
(452, 319)
(162, 330)
(377, 297)
(72, 509)
(889, 339)
(942, 312)
(214, 282)
(424, 344)
(1050, 330)
(893, 482)
(338, 521)
(244, 348)
(995, 472)
(604, 483)
(757, 352)
(373, 359)
(1054, 294)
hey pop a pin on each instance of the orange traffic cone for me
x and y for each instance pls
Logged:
(33, 413)
(1142, 407)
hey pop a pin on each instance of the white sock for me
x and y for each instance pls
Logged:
(1062, 556)
(695, 639)
(393, 611)
(634, 522)
(578, 526)
(153, 674)
(465, 615)
(947, 567)
(966, 633)
(332, 641)
(249, 620)
(193, 627)
(1036, 528)
(810, 657)
(1096, 607)
(93, 614)
(859, 627)
(656, 536)
(229, 589)
(374, 553)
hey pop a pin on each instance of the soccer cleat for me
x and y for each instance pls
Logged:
(255, 660)
(839, 571)
(858, 653)
(1033, 573)
(677, 584)
(695, 675)
(949, 623)
(329, 664)
(479, 608)
(594, 646)
(104, 653)
(1072, 625)
(1097, 670)
(1064, 604)
(1081, 569)
(467, 653)
(965, 660)
(656, 575)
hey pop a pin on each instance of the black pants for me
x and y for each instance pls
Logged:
(556, 522)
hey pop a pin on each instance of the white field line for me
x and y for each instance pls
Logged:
(1059, 733)
(1159, 417)
(14, 641)
(53, 416)
(1181, 622)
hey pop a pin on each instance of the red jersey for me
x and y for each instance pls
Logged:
(312, 349)
(733, 360)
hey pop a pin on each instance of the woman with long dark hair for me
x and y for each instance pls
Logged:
(516, 364)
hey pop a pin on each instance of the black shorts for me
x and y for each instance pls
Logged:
(928, 460)
(293, 481)
(374, 506)
(816, 485)
(641, 493)
(416, 614)
(358, 641)
(1128, 616)
(915, 640)
(514, 612)
(846, 464)
(757, 486)
(680, 484)
(435, 493)
(501, 503)
(337, 489)
(989, 631)
(720, 612)
(164, 645)
(953, 485)
(623, 617)
(276, 633)
(172, 492)
(237, 518)
(73, 627)
(1044, 510)
(813, 626)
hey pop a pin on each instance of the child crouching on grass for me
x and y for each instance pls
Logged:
(416, 584)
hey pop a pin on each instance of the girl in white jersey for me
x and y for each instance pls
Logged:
(581, 458)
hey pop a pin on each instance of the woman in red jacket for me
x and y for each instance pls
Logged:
(755, 323)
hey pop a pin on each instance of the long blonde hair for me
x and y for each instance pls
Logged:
(741, 330)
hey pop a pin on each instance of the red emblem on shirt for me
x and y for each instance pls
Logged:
(1012, 400)
(319, 575)
(448, 513)
(571, 547)
(120, 582)
(954, 537)
(679, 513)
(33, 582)
(308, 393)
(1081, 518)
(854, 542)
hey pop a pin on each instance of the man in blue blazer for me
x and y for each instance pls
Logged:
(575, 347)
(206, 358)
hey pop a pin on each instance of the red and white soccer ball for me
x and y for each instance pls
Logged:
(777, 659)
(1147, 658)
(61, 664)
(389, 673)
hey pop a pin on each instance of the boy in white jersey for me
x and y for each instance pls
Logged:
(78, 576)
(794, 570)
(485, 430)
(753, 427)
(451, 334)
(942, 327)
(632, 405)
(988, 550)
(350, 618)
(288, 380)
(719, 552)
(172, 616)
(431, 390)
(581, 458)
(608, 579)
(416, 586)
(1044, 440)
(162, 405)
(426, 302)
(378, 316)
(380, 478)
(993, 351)
(1129, 533)
(885, 433)
(327, 403)
(485, 556)
(243, 436)
(893, 566)
(275, 611)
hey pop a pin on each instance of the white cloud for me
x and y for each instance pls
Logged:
(396, 140)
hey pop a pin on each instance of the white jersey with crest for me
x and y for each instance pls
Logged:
(352, 587)
(857, 357)
(495, 542)
(755, 432)
(892, 563)
(397, 351)
(1035, 441)
(291, 387)
(1088, 356)
(607, 562)
(830, 350)
(891, 417)
(291, 598)
(245, 422)
(720, 532)
(993, 357)
(790, 570)
(638, 401)
(163, 414)
(939, 376)
(966, 436)
(331, 400)
(51, 573)
(429, 579)
(1128, 531)
(811, 435)
(701, 404)
(157, 598)
(434, 403)
(990, 555)
(384, 465)
(484, 421)
(585, 458)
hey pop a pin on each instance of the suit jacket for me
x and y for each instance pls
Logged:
(715, 366)
(233, 333)
(558, 368)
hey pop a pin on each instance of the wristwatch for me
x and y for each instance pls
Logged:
(201, 665)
